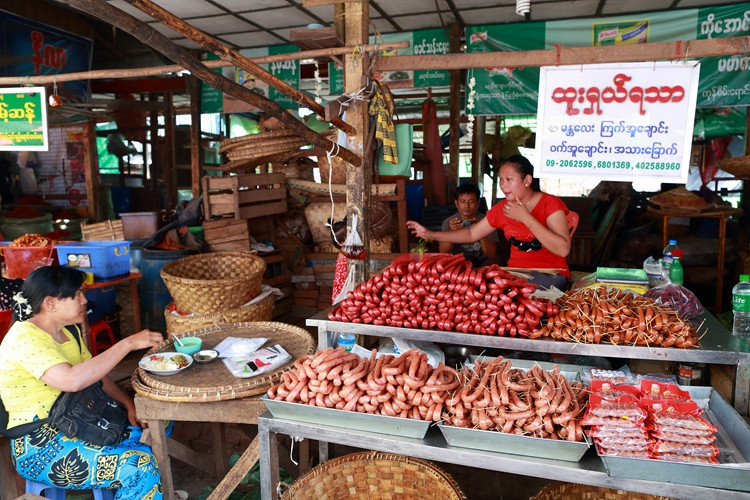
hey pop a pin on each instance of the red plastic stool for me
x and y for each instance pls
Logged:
(95, 329)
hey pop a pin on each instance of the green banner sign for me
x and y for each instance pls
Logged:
(23, 119)
(287, 71)
(211, 99)
(723, 80)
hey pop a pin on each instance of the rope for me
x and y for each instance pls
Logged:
(330, 222)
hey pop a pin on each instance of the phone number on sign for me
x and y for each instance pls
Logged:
(570, 163)
(618, 165)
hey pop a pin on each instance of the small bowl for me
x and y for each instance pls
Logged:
(205, 356)
(190, 345)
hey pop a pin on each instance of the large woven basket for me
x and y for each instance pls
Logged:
(374, 476)
(738, 167)
(573, 491)
(260, 311)
(212, 282)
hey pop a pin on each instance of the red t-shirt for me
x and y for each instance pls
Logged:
(543, 258)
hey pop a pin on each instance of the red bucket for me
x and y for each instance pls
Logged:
(20, 261)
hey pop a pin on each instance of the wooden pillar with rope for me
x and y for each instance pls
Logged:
(358, 180)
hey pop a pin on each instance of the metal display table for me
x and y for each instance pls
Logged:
(717, 346)
(590, 470)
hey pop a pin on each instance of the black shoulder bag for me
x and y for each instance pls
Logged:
(89, 414)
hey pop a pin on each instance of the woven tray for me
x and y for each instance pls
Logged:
(212, 282)
(572, 491)
(109, 230)
(260, 311)
(375, 476)
(213, 381)
(252, 139)
(322, 188)
(738, 167)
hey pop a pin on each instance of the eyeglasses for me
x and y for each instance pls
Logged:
(526, 246)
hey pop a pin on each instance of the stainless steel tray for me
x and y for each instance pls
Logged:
(512, 443)
(732, 439)
(395, 426)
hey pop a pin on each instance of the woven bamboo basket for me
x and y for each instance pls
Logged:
(317, 215)
(738, 167)
(374, 476)
(573, 491)
(255, 139)
(260, 311)
(335, 169)
(211, 282)
(109, 230)
(213, 382)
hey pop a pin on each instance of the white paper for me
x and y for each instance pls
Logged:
(238, 346)
(258, 362)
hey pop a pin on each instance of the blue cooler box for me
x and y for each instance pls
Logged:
(104, 259)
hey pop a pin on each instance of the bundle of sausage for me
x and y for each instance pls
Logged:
(404, 386)
(444, 292)
(617, 422)
(495, 396)
(602, 315)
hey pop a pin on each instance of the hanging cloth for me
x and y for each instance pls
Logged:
(433, 151)
(715, 150)
(381, 107)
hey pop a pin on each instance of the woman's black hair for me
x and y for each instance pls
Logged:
(524, 167)
(50, 281)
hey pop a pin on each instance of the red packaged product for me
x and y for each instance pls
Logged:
(694, 450)
(654, 388)
(673, 457)
(680, 421)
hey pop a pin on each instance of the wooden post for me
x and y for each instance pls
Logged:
(149, 36)
(356, 26)
(196, 148)
(455, 114)
(170, 170)
(91, 164)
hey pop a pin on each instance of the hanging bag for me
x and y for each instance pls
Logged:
(90, 415)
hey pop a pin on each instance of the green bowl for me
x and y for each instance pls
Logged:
(189, 345)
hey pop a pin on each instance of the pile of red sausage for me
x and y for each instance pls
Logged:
(444, 292)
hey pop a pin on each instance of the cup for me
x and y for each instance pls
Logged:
(190, 345)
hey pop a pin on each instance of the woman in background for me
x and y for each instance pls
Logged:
(534, 223)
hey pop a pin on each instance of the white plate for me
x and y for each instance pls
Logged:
(149, 363)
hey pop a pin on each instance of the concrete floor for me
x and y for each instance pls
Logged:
(477, 484)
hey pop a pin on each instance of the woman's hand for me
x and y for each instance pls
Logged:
(145, 339)
(516, 210)
(418, 229)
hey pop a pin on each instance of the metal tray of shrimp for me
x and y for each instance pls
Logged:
(732, 440)
(395, 426)
(477, 439)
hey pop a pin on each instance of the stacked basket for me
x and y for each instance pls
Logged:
(214, 289)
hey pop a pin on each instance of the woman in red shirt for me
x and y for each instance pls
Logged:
(534, 223)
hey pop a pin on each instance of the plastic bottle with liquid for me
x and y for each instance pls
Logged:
(346, 340)
(741, 308)
(667, 255)
(676, 272)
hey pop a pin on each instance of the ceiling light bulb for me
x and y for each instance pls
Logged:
(523, 7)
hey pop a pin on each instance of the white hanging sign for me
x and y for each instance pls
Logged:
(617, 121)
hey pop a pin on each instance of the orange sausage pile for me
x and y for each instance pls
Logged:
(495, 396)
(405, 386)
(443, 291)
(599, 315)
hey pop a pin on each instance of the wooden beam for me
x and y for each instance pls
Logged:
(211, 44)
(318, 3)
(663, 51)
(146, 34)
(162, 84)
(91, 170)
(455, 114)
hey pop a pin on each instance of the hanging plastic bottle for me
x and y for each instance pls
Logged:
(741, 308)
(676, 272)
(346, 340)
(667, 255)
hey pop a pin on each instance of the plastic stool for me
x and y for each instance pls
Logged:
(94, 331)
(55, 493)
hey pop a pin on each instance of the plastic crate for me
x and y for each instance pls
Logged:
(434, 216)
(104, 259)
(101, 301)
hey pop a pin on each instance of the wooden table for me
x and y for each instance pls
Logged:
(214, 462)
(134, 300)
(722, 216)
